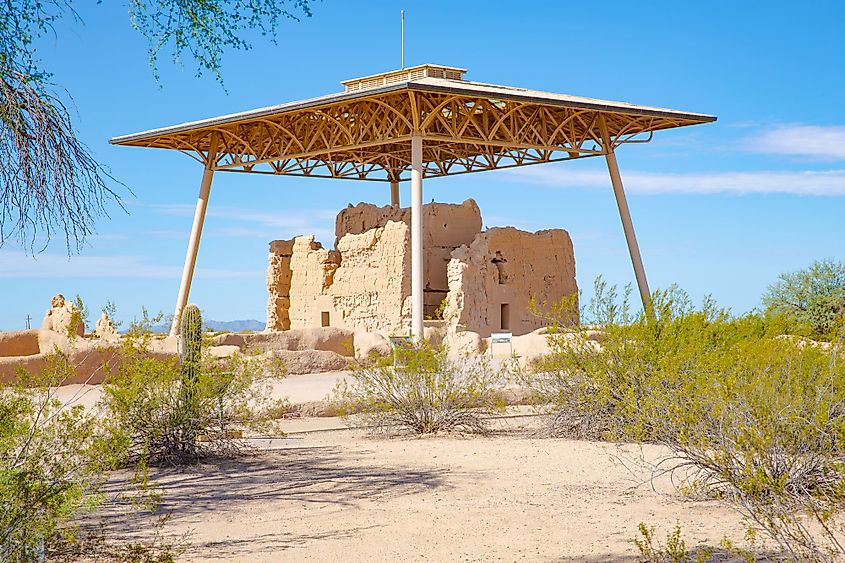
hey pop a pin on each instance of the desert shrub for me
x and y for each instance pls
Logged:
(765, 427)
(100, 545)
(51, 463)
(674, 550)
(615, 378)
(750, 413)
(78, 317)
(171, 411)
(812, 300)
(422, 390)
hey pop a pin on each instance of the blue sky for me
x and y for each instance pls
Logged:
(719, 208)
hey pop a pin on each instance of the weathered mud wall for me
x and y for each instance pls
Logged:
(446, 226)
(278, 285)
(492, 281)
(486, 279)
(372, 286)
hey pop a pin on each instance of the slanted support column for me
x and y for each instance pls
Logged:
(194, 241)
(416, 239)
(394, 193)
(625, 214)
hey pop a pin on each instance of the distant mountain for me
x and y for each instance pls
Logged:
(235, 326)
(220, 326)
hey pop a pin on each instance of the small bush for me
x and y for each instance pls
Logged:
(765, 428)
(51, 463)
(97, 544)
(162, 418)
(617, 382)
(753, 416)
(423, 390)
(673, 551)
(812, 300)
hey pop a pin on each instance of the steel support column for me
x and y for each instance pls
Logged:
(394, 193)
(625, 214)
(194, 241)
(416, 238)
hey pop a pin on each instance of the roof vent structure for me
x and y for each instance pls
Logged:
(404, 75)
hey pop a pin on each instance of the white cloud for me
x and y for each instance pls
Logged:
(17, 264)
(251, 223)
(828, 182)
(823, 142)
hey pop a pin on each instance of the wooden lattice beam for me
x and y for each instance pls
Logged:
(368, 138)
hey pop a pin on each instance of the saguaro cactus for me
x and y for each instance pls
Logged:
(190, 355)
(191, 344)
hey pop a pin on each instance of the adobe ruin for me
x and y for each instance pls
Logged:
(475, 280)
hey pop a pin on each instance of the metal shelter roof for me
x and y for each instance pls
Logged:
(364, 133)
(412, 123)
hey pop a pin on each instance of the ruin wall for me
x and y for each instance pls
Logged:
(446, 226)
(485, 279)
(492, 281)
(278, 285)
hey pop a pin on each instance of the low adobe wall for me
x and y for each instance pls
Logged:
(92, 360)
(89, 365)
(19, 343)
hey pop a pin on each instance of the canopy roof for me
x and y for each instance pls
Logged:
(364, 133)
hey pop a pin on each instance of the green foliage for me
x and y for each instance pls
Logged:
(767, 431)
(811, 300)
(439, 312)
(611, 384)
(423, 390)
(21, 24)
(203, 28)
(206, 28)
(753, 415)
(747, 554)
(78, 317)
(162, 416)
(605, 307)
(674, 551)
(50, 181)
(110, 310)
(54, 455)
(51, 463)
(101, 546)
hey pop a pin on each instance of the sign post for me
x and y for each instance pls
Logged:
(501, 338)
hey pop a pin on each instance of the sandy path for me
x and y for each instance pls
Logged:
(298, 389)
(341, 496)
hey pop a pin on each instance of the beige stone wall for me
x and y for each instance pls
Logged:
(312, 274)
(278, 285)
(372, 286)
(446, 226)
(506, 266)
(365, 283)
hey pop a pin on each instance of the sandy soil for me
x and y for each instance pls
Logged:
(298, 389)
(338, 495)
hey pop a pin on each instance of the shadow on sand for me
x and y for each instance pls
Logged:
(317, 476)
